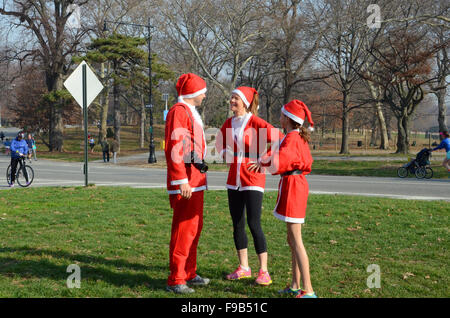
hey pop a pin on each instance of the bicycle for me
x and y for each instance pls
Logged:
(24, 174)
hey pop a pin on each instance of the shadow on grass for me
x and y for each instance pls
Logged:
(93, 268)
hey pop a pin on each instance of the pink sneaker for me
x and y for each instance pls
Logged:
(263, 278)
(240, 273)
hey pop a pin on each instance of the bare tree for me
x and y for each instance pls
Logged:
(217, 37)
(298, 29)
(97, 12)
(55, 45)
(441, 37)
(404, 56)
(343, 53)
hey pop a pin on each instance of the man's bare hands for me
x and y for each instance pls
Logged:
(186, 191)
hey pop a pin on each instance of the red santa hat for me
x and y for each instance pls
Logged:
(298, 112)
(246, 94)
(190, 85)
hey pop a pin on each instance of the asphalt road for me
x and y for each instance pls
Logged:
(57, 173)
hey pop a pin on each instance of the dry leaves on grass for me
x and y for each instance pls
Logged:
(408, 275)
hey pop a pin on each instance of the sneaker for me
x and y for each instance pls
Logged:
(11, 185)
(303, 294)
(199, 281)
(180, 289)
(263, 278)
(239, 273)
(289, 290)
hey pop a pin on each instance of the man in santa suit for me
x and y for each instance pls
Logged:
(185, 139)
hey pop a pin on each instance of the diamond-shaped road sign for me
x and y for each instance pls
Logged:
(74, 84)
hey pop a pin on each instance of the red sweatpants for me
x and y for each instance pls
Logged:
(187, 224)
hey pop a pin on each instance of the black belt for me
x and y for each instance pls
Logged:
(247, 155)
(292, 173)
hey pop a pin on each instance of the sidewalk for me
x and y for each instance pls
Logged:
(160, 157)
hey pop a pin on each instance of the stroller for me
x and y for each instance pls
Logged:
(420, 166)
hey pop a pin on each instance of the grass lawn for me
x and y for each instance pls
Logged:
(119, 237)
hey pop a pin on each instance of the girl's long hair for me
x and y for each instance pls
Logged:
(253, 108)
(304, 132)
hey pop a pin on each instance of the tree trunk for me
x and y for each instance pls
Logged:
(376, 95)
(116, 113)
(374, 131)
(345, 125)
(56, 129)
(441, 109)
(104, 107)
(383, 129)
(403, 135)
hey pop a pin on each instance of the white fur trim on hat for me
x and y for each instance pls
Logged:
(197, 93)
(242, 96)
(292, 116)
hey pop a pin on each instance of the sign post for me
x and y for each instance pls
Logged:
(77, 84)
(85, 120)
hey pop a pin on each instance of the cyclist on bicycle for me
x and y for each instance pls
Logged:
(19, 148)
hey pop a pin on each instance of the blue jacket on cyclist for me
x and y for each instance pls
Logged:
(18, 147)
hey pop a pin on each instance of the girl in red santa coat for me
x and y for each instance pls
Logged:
(292, 161)
(243, 137)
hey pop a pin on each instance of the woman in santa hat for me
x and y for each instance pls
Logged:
(243, 138)
(292, 161)
(184, 135)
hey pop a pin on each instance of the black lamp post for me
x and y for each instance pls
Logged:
(151, 157)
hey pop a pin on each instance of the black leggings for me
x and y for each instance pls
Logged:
(14, 163)
(239, 201)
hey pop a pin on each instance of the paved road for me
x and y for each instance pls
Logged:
(56, 173)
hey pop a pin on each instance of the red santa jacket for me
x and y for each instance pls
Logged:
(246, 146)
(183, 134)
(293, 154)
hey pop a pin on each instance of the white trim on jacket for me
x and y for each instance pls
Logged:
(202, 188)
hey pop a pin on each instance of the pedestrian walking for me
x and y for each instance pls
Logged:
(31, 147)
(114, 150)
(91, 143)
(105, 149)
(7, 145)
